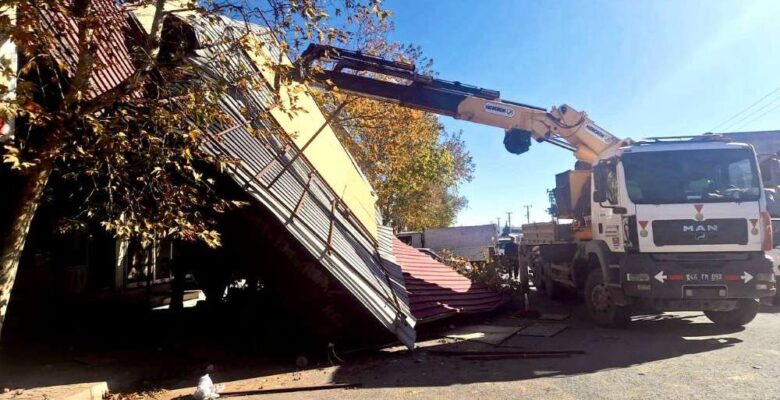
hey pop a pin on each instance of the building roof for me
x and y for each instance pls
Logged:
(437, 291)
(113, 63)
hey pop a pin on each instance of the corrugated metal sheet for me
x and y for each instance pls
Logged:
(113, 63)
(387, 252)
(297, 195)
(386, 239)
(436, 291)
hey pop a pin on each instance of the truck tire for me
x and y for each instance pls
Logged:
(603, 311)
(744, 313)
(553, 289)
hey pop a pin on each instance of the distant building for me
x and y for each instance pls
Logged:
(412, 238)
(765, 142)
(767, 145)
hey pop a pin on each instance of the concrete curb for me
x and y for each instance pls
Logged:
(77, 391)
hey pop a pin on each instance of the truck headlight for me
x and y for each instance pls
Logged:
(637, 277)
(765, 277)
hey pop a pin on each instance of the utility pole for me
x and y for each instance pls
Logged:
(528, 213)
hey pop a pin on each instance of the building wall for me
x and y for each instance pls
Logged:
(765, 142)
(470, 242)
(326, 153)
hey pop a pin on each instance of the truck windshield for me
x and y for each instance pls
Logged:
(691, 176)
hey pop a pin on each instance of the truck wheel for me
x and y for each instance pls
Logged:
(745, 312)
(602, 310)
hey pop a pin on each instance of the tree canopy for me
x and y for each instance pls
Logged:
(413, 163)
(110, 118)
(132, 154)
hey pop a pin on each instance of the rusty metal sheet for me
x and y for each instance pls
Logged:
(114, 63)
(437, 291)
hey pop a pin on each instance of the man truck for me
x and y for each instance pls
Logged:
(667, 224)
(664, 223)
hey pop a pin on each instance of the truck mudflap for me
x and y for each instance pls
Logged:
(697, 277)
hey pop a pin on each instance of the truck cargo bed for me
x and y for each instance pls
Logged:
(546, 233)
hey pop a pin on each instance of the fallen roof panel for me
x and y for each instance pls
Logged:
(273, 171)
(437, 291)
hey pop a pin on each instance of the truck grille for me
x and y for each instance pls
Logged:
(691, 232)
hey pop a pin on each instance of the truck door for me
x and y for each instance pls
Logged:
(607, 209)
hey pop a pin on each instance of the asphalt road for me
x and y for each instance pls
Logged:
(673, 356)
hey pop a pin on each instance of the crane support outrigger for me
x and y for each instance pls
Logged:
(662, 224)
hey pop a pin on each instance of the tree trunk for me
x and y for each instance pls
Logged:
(17, 236)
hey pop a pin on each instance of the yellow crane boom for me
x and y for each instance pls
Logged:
(398, 82)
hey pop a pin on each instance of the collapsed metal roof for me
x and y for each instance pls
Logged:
(270, 168)
(437, 291)
(273, 170)
(383, 274)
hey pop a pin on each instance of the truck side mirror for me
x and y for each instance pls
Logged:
(600, 182)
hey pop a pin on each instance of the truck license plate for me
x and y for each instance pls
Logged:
(704, 292)
(703, 277)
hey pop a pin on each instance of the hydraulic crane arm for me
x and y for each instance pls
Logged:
(358, 74)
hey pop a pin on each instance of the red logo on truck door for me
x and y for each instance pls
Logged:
(643, 232)
(754, 222)
(699, 215)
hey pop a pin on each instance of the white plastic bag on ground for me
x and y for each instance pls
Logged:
(206, 389)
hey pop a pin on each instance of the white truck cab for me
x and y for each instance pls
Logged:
(684, 196)
(674, 224)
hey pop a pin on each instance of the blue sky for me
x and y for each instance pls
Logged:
(639, 69)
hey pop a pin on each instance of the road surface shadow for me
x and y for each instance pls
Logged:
(179, 352)
(649, 338)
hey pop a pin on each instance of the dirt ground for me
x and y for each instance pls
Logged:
(674, 356)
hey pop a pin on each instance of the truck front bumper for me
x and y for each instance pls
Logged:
(695, 281)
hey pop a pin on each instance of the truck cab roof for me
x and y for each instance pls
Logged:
(676, 144)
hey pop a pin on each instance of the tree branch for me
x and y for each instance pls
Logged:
(150, 51)
(86, 48)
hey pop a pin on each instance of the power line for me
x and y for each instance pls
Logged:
(752, 113)
(745, 109)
